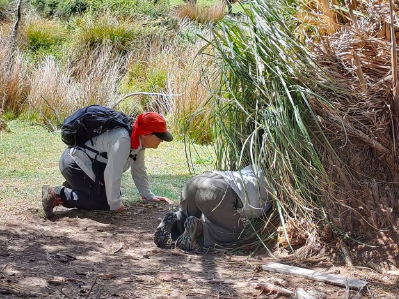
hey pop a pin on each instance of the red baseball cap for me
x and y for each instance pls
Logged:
(149, 123)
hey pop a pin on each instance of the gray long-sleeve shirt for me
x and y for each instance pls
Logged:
(251, 189)
(116, 143)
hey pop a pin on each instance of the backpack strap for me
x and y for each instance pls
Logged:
(84, 147)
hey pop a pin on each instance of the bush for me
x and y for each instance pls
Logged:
(93, 32)
(69, 8)
(202, 14)
(3, 9)
(60, 8)
(44, 35)
(130, 7)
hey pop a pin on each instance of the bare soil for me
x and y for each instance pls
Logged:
(106, 255)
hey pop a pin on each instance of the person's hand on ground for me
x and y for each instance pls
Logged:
(161, 198)
(120, 209)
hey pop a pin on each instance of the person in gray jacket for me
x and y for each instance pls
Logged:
(213, 206)
(93, 173)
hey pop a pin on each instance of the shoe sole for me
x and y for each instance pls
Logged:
(162, 233)
(45, 194)
(191, 232)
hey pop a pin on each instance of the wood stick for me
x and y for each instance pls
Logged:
(311, 274)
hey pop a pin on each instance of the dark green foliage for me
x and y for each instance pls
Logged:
(68, 8)
(60, 8)
(3, 9)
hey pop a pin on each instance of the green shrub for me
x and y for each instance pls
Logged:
(92, 32)
(3, 9)
(142, 77)
(130, 7)
(60, 8)
(44, 35)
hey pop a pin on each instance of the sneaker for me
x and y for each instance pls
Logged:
(49, 201)
(193, 230)
(162, 233)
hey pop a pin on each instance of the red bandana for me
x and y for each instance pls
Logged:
(147, 123)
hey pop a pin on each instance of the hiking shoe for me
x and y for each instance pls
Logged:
(162, 233)
(192, 230)
(49, 201)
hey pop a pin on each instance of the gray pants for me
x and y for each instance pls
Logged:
(84, 194)
(209, 197)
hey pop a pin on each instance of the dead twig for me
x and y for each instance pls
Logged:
(2, 270)
(55, 111)
(345, 251)
(62, 292)
(92, 286)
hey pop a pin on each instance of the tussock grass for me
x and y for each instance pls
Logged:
(262, 116)
(14, 86)
(55, 86)
(201, 13)
(99, 60)
(4, 4)
(94, 31)
(44, 34)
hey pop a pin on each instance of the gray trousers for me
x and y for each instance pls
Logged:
(84, 194)
(209, 197)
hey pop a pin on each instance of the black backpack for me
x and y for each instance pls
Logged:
(92, 121)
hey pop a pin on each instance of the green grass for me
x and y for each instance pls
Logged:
(29, 158)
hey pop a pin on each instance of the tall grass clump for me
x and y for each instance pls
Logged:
(57, 87)
(3, 9)
(92, 31)
(60, 8)
(262, 116)
(44, 38)
(14, 83)
(191, 108)
(132, 8)
(202, 14)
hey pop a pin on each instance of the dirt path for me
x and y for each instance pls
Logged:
(106, 255)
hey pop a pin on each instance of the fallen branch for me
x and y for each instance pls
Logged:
(313, 275)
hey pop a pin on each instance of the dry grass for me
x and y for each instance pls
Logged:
(202, 14)
(55, 86)
(361, 124)
(185, 92)
(104, 75)
(14, 85)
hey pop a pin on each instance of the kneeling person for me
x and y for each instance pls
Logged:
(93, 172)
(212, 208)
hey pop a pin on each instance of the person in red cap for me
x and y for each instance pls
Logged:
(93, 172)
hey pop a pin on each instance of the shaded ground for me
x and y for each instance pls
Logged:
(107, 255)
